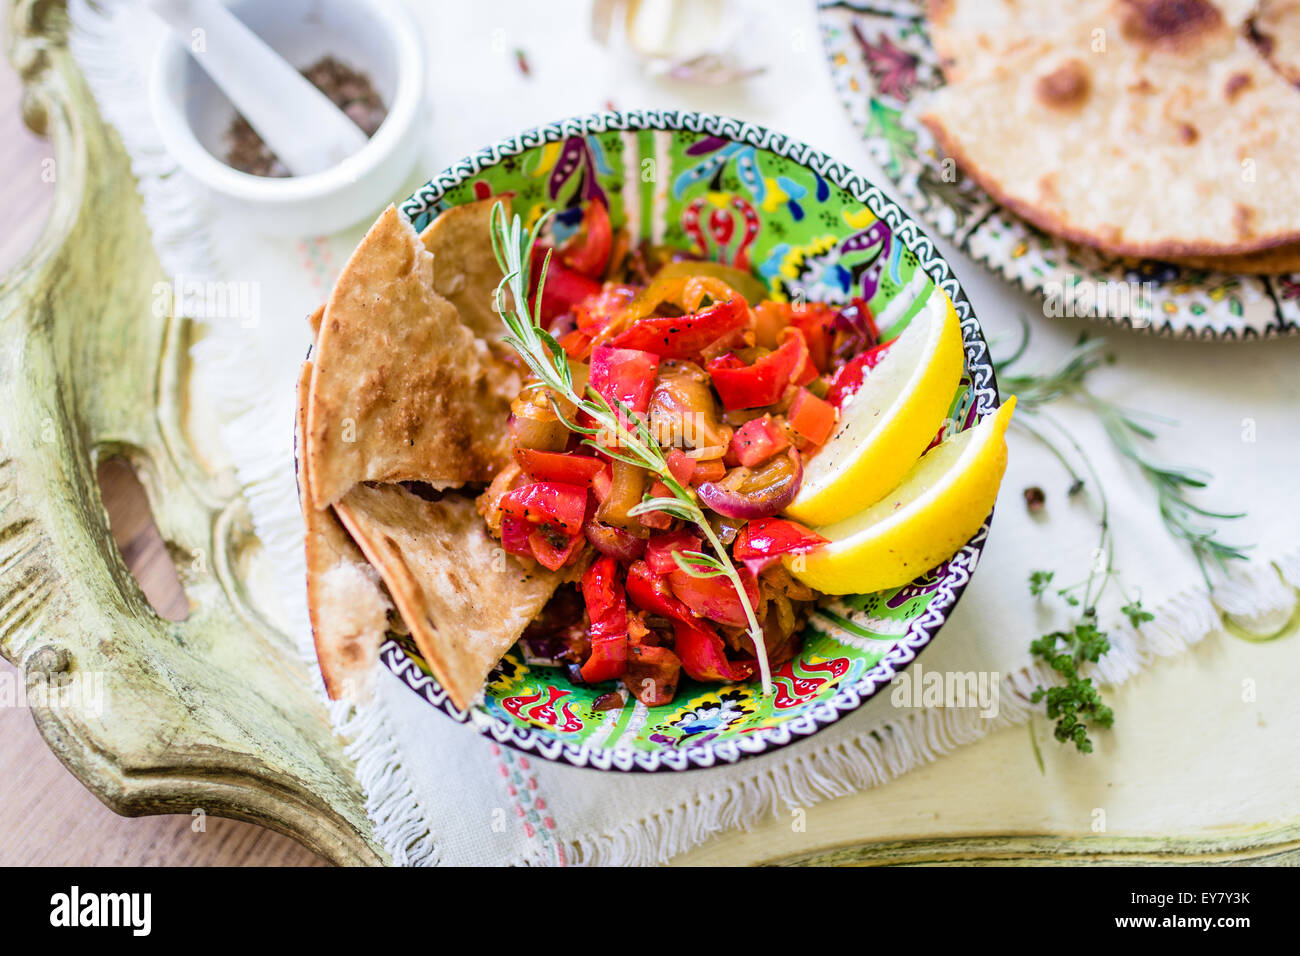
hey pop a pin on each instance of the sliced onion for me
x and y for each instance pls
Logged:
(614, 542)
(755, 493)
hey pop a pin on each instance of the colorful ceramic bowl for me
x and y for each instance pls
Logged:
(807, 226)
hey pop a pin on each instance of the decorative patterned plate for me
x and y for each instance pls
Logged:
(883, 65)
(808, 226)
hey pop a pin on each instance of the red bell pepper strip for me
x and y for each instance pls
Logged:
(811, 417)
(548, 502)
(753, 386)
(561, 466)
(587, 251)
(565, 289)
(650, 592)
(684, 336)
(762, 541)
(848, 377)
(624, 375)
(702, 653)
(715, 598)
(758, 440)
(659, 549)
(607, 611)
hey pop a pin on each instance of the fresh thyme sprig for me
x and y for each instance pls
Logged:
(633, 443)
(1076, 704)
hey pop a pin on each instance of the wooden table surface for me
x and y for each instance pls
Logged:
(46, 816)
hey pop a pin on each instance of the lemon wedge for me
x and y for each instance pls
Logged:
(936, 509)
(886, 425)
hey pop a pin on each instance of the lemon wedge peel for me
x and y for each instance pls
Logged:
(889, 421)
(926, 520)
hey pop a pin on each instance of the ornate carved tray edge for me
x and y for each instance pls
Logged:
(152, 716)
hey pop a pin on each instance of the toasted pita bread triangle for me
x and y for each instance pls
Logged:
(465, 600)
(465, 268)
(345, 600)
(402, 390)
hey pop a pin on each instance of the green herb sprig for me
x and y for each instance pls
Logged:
(633, 442)
(1076, 704)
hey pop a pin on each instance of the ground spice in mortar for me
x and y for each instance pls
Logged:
(349, 90)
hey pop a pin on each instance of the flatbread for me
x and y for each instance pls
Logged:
(345, 598)
(1275, 28)
(1141, 127)
(465, 600)
(402, 390)
(465, 269)
(1283, 259)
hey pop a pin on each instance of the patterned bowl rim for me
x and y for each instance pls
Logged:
(956, 576)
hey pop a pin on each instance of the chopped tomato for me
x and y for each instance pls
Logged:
(658, 520)
(681, 465)
(709, 470)
(556, 503)
(576, 344)
(659, 549)
(565, 288)
(650, 592)
(715, 598)
(587, 251)
(514, 536)
(702, 654)
(561, 466)
(593, 314)
(607, 612)
(552, 547)
(763, 540)
(652, 674)
(758, 440)
(811, 417)
(817, 323)
(849, 376)
(684, 336)
(753, 386)
(624, 375)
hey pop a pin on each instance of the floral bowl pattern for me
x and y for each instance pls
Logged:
(883, 64)
(807, 226)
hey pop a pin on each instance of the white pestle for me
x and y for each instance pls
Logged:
(300, 124)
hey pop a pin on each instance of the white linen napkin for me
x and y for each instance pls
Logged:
(437, 791)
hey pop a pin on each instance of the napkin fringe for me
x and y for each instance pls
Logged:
(1260, 598)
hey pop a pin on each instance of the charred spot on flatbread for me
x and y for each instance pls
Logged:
(1066, 87)
(1168, 24)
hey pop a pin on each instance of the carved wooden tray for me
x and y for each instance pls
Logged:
(218, 712)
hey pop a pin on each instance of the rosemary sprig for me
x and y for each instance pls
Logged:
(1128, 431)
(632, 443)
